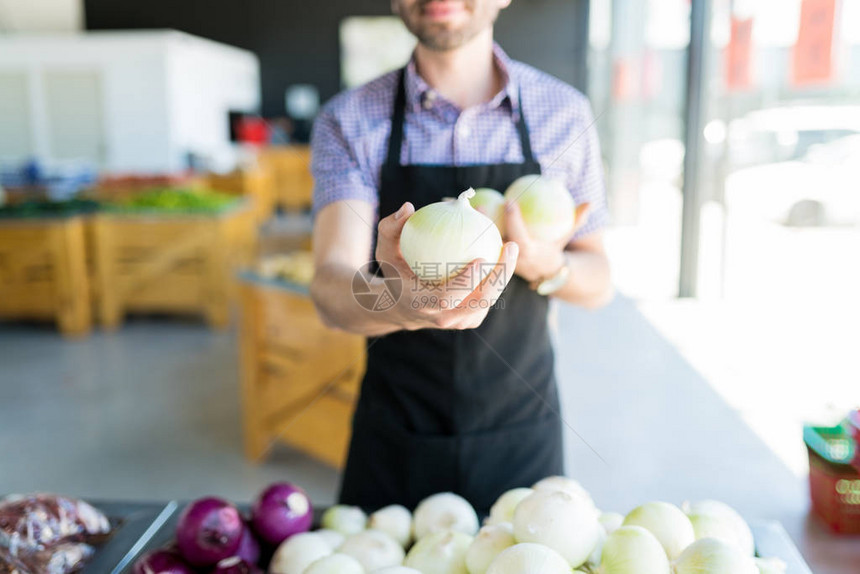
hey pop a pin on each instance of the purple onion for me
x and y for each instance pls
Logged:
(235, 565)
(280, 511)
(209, 530)
(162, 561)
(249, 548)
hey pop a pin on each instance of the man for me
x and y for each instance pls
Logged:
(457, 396)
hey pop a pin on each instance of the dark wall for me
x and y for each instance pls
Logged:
(297, 40)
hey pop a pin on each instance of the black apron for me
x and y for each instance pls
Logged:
(474, 411)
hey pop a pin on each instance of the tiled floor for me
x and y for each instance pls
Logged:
(152, 412)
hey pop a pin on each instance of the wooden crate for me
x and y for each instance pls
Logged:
(256, 185)
(300, 380)
(291, 174)
(43, 272)
(170, 263)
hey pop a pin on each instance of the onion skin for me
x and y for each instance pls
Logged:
(249, 548)
(712, 556)
(491, 540)
(528, 558)
(373, 549)
(209, 530)
(491, 203)
(395, 520)
(714, 519)
(665, 521)
(503, 509)
(335, 564)
(444, 511)
(161, 562)
(633, 550)
(345, 519)
(546, 205)
(298, 552)
(443, 552)
(280, 511)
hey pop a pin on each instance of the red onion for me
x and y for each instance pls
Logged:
(281, 511)
(161, 562)
(249, 548)
(209, 530)
(235, 565)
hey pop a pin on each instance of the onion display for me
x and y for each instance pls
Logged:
(714, 519)
(633, 550)
(546, 205)
(298, 552)
(236, 565)
(503, 509)
(335, 564)
(444, 511)
(395, 520)
(666, 522)
(529, 558)
(567, 524)
(280, 511)
(490, 541)
(441, 239)
(161, 562)
(373, 549)
(712, 556)
(442, 552)
(209, 530)
(344, 519)
(491, 203)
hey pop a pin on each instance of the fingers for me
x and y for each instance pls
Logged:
(580, 218)
(388, 238)
(494, 283)
(515, 226)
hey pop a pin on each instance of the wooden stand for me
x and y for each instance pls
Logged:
(43, 272)
(256, 185)
(300, 380)
(291, 175)
(170, 263)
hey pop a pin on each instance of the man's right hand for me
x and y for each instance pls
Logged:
(448, 305)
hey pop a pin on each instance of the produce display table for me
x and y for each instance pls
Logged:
(165, 262)
(300, 379)
(43, 271)
(289, 167)
(256, 185)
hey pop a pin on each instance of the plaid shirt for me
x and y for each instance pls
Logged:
(349, 142)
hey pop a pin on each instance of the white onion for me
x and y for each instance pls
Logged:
(714, 519)
(298, 552)
(594, 558)
(397, 570)
(335, 564)
(529, 558)
(712, 556)
(444, 511)
(440, 239)
(565, 523)
(490, 541)
(665, 521)
(442, 552)
(374, 549)
(770, 565)
(394, 520)
(491, 203)
(503, 509)
(546, 205)
(344, 519)
(333, 537)
(611, 521)
(633, 550)
(568, 485)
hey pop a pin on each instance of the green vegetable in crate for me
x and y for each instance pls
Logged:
(178, 200)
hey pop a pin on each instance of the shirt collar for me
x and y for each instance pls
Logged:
(420, 95)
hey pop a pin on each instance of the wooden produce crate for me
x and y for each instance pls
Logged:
(300, 380)
(291, 174)
(175, 263)
(256, 185)
(43, 273)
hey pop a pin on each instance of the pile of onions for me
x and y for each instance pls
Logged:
(633, 550)
(546, 205)
(440, 239)
(344, 519)
(444, 511)
(298, 552)
(209, 530)
(490, 541)
(395, 520)
(373, 550)
(714, 519)
(712, 556)
(529, 558)
(442, 552)
(567, 524)
(280, 511)
(667, 523)
(503, 509)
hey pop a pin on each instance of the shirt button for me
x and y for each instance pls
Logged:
(429, 98)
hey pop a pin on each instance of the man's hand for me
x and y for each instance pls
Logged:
(445, 306)
(538, 260)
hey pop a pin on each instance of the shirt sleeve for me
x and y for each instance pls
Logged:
(334, 166)
(586, 180)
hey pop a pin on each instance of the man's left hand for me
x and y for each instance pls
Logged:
(538, 260)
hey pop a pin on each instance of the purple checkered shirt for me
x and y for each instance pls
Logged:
(350, 136)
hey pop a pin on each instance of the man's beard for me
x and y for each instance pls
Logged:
(437, 36)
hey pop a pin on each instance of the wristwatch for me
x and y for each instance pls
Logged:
(552, 284)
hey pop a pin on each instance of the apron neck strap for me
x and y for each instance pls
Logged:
(395, 140)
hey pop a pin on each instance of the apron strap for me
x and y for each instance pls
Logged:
(395, 139)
